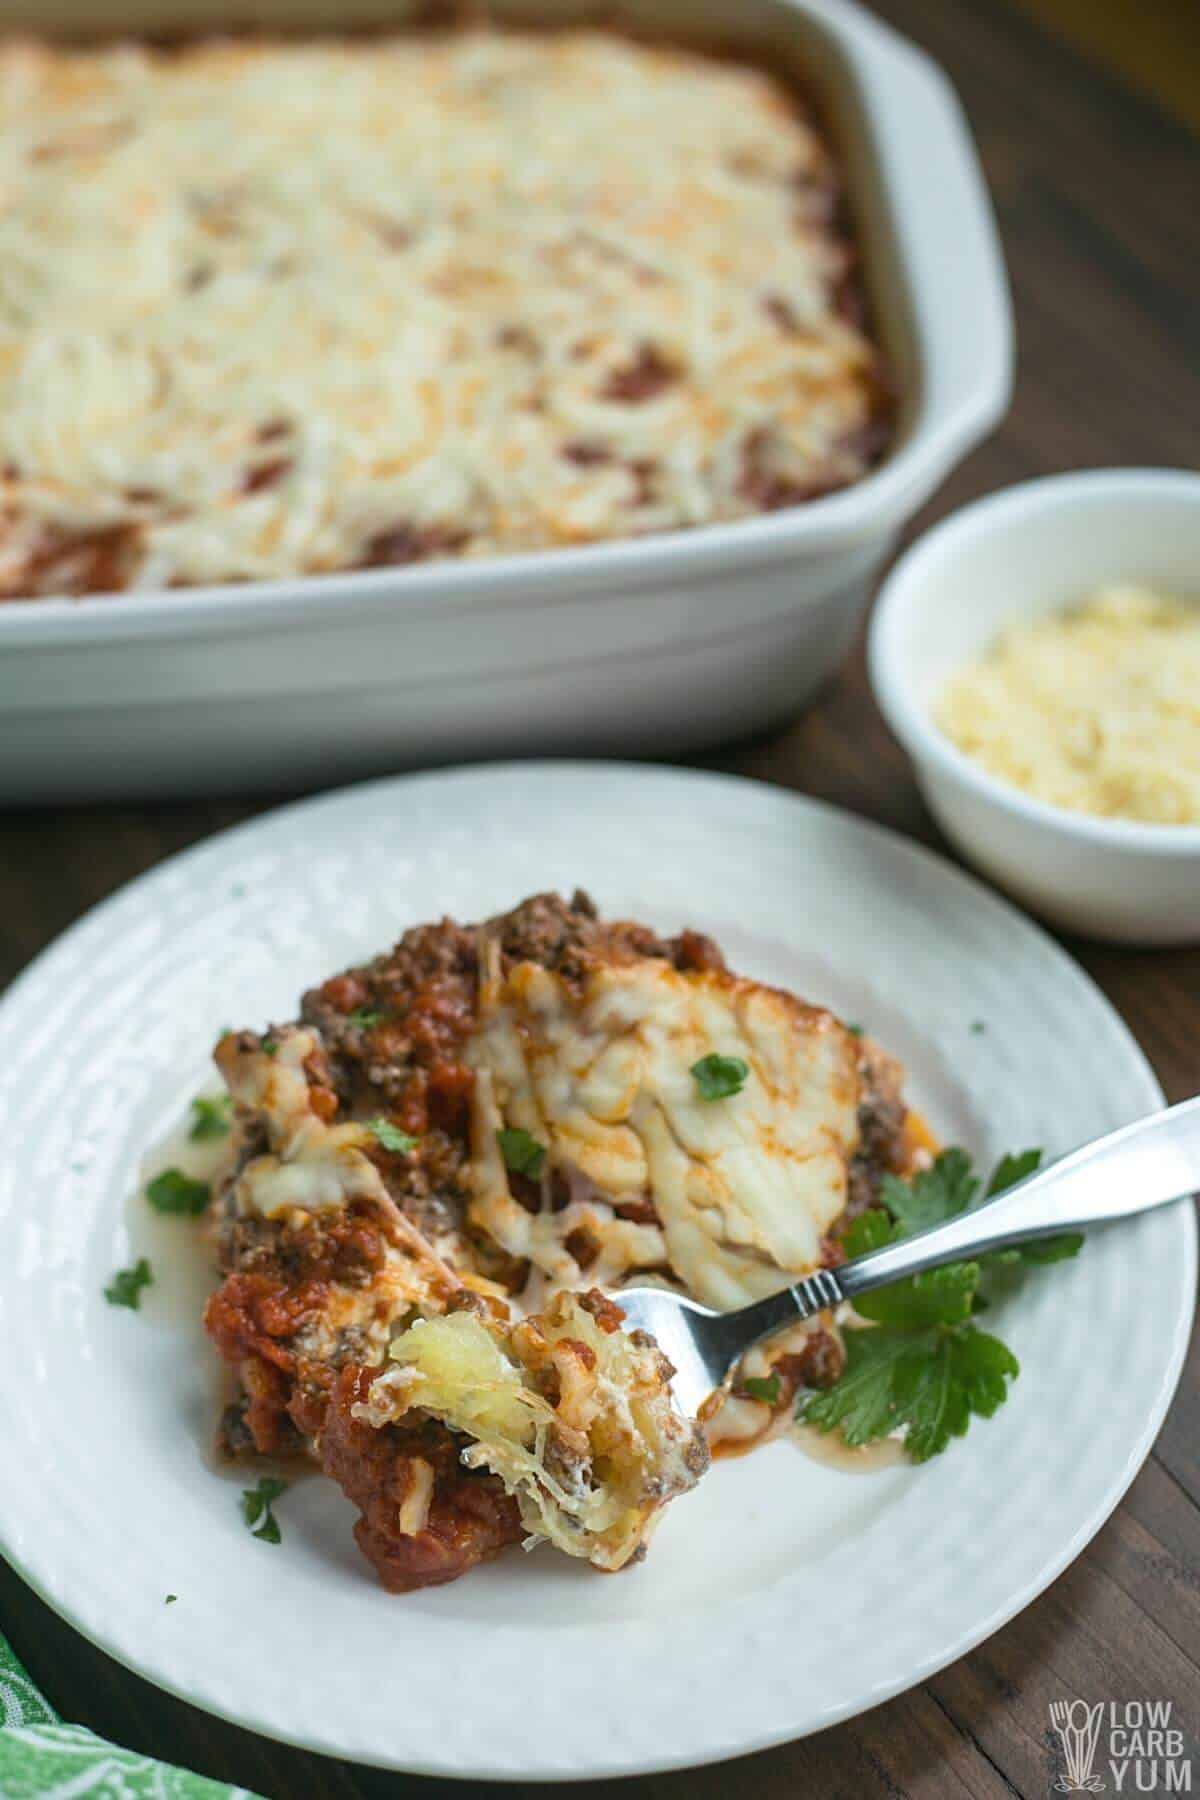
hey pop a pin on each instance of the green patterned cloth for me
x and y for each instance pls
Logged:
(40, 1758)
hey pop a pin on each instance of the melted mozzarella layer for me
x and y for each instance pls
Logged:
(310, 1166)
(743, 1188)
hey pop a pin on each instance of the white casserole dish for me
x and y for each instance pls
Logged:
(657, 644)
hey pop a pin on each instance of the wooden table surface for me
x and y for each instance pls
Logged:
(1097, 197)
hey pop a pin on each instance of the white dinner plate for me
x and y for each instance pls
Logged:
(778, 1598)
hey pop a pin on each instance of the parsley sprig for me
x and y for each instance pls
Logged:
(930, 1382)
(256, 1506)
(925, 1367)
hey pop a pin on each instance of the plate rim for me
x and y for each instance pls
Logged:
(328, 1741)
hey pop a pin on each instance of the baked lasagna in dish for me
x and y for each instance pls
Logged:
(442, 1172)
(273, 308)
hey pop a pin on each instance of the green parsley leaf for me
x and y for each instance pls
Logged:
(256, 1505)
(1037, 1253)
(855, 1030)
(719, 1077)
(364, 1017)
(870, 1231)
(1011, 1169)
(929, 1383)
(269, 1045)
(211, 1115)
(175, 1192)
(861, 1404)
(391, 1136)
(521, 1152)
(934, 1195)
(170, 1599)
(977, 1027)
(1040, 1251)
(762, 1387)
(125, 1288)
(938, 1297)
(923, 1367)
(968, 1373)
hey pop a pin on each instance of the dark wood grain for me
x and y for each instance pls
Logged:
(1097, 197)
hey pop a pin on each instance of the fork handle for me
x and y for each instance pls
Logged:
(1147, 1164)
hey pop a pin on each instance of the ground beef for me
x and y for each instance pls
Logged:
(470, 1517)
(647, 376)
(408, 543)
(817, 1365)
(259, 1314)
(394, 1028)
(344, 1247)
(97, 560)
(881, 1147)
(567, 937)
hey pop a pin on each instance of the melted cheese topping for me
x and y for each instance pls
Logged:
(311, 1167)
(743, 1188)
(270, 308)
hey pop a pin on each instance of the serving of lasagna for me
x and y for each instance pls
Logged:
(271, 308)
(438, 1179)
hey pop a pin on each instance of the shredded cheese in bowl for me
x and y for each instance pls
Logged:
(1096, 710)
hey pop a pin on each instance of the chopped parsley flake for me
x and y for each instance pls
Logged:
(1011, 1169)
(855, 1030)
(364, 1017)
(211, 1115)
(125, 1288)
(170, 1599)
(977, 1027)
(269, 1045)
(175, 1192)
(256, 1508)
(521, 1152)
(925, 1369)
(718, 1077)
(391, 1136)
(762, 1387)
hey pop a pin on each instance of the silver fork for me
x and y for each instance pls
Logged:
(1147, 1164)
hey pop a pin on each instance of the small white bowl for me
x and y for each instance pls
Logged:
(1028, 551)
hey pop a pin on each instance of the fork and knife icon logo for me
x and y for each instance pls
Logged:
(1078, 1725)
